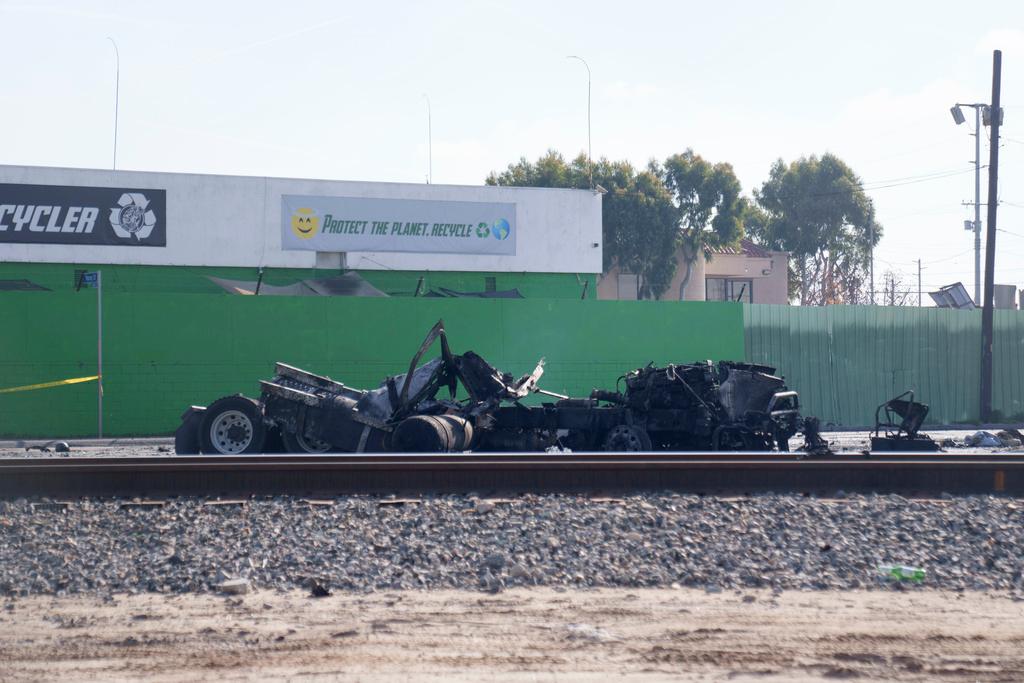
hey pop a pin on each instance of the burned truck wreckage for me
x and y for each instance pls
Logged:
(459, 402)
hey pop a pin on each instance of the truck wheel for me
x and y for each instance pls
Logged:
(297, 443)
(232, 425)
(461, 430)
(422, 434)
(627, 438)
(186, 436)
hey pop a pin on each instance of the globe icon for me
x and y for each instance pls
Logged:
(501, 229)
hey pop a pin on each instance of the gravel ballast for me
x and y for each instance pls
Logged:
(360, 543)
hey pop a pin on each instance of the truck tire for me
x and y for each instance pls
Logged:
(461, 430)
(422, 434)
(186, 436)
(232, 425)
(627, 438)
(297, 443)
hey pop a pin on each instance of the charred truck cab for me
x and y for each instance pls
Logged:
(457, 403)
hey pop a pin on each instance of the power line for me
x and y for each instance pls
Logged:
(954, 256)
(940, 260)
(929, 212)
(951, 171)
(911, 180)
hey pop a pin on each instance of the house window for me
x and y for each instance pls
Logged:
(628, 284)
(725, 289)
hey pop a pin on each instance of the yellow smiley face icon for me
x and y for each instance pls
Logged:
(305, 223)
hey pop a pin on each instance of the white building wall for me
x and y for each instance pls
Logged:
(236, 221)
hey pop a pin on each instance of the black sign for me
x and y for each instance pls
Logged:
(62, 214)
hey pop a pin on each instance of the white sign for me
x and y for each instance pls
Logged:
(407, 225)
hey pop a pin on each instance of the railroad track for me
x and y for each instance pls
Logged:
(705, 472)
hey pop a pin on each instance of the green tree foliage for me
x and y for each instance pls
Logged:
(551, 170)
(638, 217)
(639, 225)
(709, 207)
(815, 209)
(648, 214)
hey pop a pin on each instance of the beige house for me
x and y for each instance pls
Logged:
(746, 272)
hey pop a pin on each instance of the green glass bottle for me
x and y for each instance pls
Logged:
(902, 572)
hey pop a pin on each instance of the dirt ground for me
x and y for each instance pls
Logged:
(518, 635)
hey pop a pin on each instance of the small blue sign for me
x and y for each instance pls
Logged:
(89, 279)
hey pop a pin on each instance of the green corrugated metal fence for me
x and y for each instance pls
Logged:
(845, 360)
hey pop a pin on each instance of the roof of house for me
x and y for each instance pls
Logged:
(744, 248)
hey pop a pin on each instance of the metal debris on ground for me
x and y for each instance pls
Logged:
(983, 440)
(459, 402)
(317, 590)
(901, 419)
(1010, 438)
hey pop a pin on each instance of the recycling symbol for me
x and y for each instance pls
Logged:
(132, 219)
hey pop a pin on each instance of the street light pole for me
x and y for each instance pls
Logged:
(117, 92)
(430, 144)
(99, 354)
(590, 158)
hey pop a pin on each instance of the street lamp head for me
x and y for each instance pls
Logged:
(582, 60)
(958, 116)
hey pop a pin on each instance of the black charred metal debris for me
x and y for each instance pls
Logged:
(459, 402)
(900, 420)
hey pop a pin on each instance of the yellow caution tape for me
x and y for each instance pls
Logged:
(47, 385)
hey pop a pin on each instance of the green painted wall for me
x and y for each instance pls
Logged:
(194, 280)
(846, 360)
(163, 352)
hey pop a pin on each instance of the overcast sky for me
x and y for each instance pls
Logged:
(336, 90)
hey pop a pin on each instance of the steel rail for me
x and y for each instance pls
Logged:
(681, 456)
(485, 460)
(750, 472)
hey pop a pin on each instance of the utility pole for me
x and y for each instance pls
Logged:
(995, 117)
(958, 118)
(919, 283)
(977, 203)
(871, 247)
